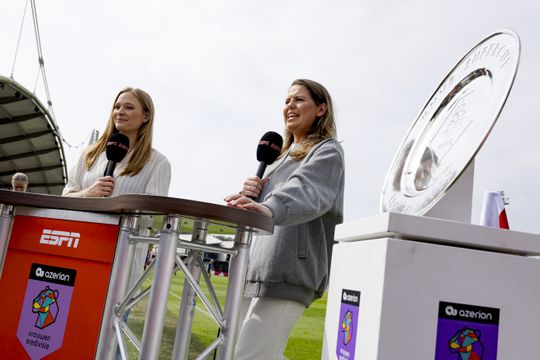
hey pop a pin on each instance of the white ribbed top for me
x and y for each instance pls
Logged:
(153, 179)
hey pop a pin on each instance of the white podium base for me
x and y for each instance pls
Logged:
(404, 284)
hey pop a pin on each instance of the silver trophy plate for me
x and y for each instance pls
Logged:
(452, 126)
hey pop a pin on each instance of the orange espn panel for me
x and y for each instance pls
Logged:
(53, 287)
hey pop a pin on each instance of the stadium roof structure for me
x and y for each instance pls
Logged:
(30, 141)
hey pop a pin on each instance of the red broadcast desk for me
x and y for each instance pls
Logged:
(58, 256)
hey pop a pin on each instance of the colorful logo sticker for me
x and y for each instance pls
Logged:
(348, 322)
(467, 332)
(45, 309)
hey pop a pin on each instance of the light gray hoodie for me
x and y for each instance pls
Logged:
(306, 199)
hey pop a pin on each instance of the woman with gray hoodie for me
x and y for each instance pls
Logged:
(303, 192)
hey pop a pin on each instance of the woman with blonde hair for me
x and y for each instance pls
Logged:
(303, 192)
(143, 170)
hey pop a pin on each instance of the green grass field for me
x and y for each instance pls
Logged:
(305, 341)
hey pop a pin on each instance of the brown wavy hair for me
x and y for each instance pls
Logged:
(324, 127)
(142, 149)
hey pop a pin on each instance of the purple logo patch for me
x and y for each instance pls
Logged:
(348, 324)
(467, 332)
(45, 309)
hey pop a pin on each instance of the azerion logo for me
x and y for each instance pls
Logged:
(350, 297)
(450, 311)
(465, 312)
(52, 275)
(60, 238)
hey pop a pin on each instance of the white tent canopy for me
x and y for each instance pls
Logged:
(210, 240)
(30, 141)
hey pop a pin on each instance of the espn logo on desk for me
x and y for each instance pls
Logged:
(65, 237)
(60, 238)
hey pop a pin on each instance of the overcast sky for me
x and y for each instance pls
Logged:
(219, 71)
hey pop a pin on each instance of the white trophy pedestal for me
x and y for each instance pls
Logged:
(404, 266)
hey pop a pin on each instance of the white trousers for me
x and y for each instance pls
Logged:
(266, 328)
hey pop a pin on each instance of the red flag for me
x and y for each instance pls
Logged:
(493, 212)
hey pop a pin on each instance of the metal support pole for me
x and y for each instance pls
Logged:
(127, 302)
(6, 221)
(235, 292)
(187, 306)
(108, 342)
(215, 312)
(157, 306)
(117, 324)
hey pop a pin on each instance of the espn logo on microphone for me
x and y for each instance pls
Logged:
(60, 238)
(268, 143)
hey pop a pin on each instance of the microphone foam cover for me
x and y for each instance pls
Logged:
(269, 147)
(117, 147)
